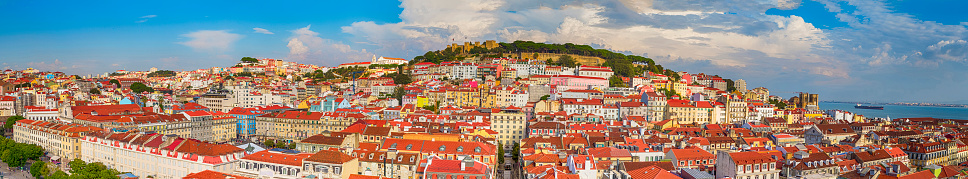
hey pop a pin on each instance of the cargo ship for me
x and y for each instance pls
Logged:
(869, 107)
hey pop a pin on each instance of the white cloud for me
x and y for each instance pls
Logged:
(56, 65)
(262, 31)
(306, 46)
(145, 18)
(736, 39)
(214, 41)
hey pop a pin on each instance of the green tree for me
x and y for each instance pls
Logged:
(398, 93)
(616, 81)
(58, 175)
(38, 169)
(249, 60)
(401, 78)
(95, 91)
(269, 143)
(516, 151)
(139, 87)
(567, 61)
(500, 153)
(11, 121)
(545, 97)
(292, 145)
(778, 103)
(116, 83)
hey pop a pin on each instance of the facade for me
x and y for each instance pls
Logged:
(58, 139)
(746, 165)
(691, 158)
(511, 124)
(828, 133)
(330, 164)
(148, 154)
(272, 164)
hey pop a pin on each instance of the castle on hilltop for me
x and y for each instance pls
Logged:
(488, 44)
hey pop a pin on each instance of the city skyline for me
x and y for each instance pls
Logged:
(890, 51)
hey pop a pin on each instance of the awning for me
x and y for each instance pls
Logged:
(55, 158)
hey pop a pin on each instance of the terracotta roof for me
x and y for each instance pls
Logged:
(277, 158)
(332, 157)
(652, 172)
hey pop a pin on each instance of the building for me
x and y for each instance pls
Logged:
(156, 155)
(467, 167)
(745, 165)
(805, 165)
(511, 124)
(330, 164)
(828, 133)
(58, 139)
(276, 163)
(691, 158)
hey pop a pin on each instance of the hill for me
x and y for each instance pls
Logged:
(623, 65)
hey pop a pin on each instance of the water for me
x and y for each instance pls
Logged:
(896, 111)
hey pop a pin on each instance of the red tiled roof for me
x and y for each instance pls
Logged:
(277, 158)
(333, 157)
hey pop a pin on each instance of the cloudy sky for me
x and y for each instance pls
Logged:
(859, 50)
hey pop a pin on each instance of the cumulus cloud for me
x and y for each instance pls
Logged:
(306, 46)
(145, 18)
(262, 31)
(734, 38)
(213, 41)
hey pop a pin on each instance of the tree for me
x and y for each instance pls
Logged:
(545, 97)
(12, 120)
(58, 175)
(398, 93)
(778, 103)
(269, 143)
(567, 61)
(115, 82)
(516, 151)
(500, 153)
(292, 145)
(95, 91)
(249, 60)
(38, 169)
(616, 81)
(139, 87)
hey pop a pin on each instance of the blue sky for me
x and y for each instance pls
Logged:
(862, 50)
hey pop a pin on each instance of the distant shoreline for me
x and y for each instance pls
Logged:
(904, 104)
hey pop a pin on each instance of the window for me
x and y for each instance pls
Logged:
(443, 147)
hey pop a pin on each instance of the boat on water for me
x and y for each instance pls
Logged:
(869, 107)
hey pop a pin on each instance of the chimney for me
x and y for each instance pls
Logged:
(467, 162)
(588, 162)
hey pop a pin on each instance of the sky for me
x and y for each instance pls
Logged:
(854, 50)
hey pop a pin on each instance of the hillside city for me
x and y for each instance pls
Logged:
(483, 110)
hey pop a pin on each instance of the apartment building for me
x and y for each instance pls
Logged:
(156, 155)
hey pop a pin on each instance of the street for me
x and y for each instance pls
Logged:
(15, 175)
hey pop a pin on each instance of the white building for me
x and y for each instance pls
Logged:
(157, 155)
(387, 60)
(594, 71)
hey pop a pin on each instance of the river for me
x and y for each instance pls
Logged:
(896, 111)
